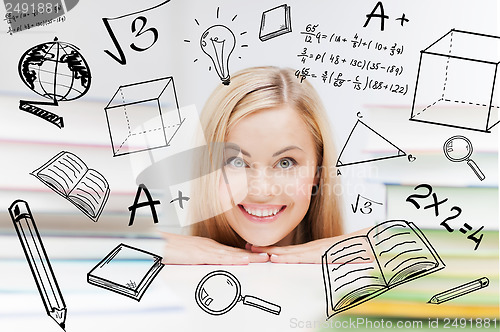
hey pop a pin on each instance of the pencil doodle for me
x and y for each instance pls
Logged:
(69, 176)
(38, 261)
(353, 150)
(56, 71)
(219, 291)
(459, 148)
(400, 251)
(460, 290)
(143, 28)
(143, 116)
(457, 80)
(218, 43)
(275, 22)
(137, 205)
(131, 281)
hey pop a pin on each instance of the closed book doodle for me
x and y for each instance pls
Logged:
(126, 270)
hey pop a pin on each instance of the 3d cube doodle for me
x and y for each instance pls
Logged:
(457, 83)
(143, 116)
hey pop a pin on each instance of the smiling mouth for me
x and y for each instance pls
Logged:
(264, 213)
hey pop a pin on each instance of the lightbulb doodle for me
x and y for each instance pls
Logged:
(218, 43)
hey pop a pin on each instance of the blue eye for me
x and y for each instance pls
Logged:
(286, 163)
(236, 162)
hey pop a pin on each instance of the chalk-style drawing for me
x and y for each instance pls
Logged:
(143, 116)
(38, 261)
(365, 207)
(219, 291)
(457, 83)
(275, 22)
(69, 176)
(354, 152)
(218, 43)
(401, 253)
(150, 202)
(142, 33)
(180, 198)
(56, 71)
(459, 148)
(133, 282)
(460, 290)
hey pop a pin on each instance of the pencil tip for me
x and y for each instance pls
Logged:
(63, 326)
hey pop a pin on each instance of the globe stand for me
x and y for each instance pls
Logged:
(53, 118)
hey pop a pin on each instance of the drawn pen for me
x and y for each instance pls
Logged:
(459, 290)
(38, 261)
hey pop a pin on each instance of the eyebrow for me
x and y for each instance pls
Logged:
(237, 148)
(277, 153)
(285, 149)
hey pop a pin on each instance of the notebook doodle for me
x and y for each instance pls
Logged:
(275, 22)
(69, 176)
(131, 281)
(400, 251)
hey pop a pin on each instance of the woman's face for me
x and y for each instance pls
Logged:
(271, 153)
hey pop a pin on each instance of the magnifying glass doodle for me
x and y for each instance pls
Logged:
(459, 148)
(219, 291)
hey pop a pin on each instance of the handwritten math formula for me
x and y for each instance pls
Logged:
(457, 211)
(324, 57)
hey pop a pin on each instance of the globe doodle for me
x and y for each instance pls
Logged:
(55, 70)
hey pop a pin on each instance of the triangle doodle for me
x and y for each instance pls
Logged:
(354, 150)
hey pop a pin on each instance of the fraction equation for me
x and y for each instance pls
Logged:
(362, 64)
(359, 82)
(312, 35)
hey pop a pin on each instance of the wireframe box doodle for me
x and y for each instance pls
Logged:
(457, 83)
(143, 116)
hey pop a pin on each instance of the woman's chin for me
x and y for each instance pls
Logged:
(263, 242)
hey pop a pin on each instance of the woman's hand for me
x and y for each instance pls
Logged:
(186, 249)
(310, 252)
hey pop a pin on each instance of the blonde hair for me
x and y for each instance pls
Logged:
(261, 88)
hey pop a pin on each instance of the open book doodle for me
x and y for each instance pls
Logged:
(126, 270)
(68, 176)
(401, 253)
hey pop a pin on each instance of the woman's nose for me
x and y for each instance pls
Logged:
(260, 182)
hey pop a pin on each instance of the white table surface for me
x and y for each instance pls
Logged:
(167, 305)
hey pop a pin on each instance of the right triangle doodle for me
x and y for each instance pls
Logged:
(354, 151)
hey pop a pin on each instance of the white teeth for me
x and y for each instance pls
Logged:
(261, 213)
